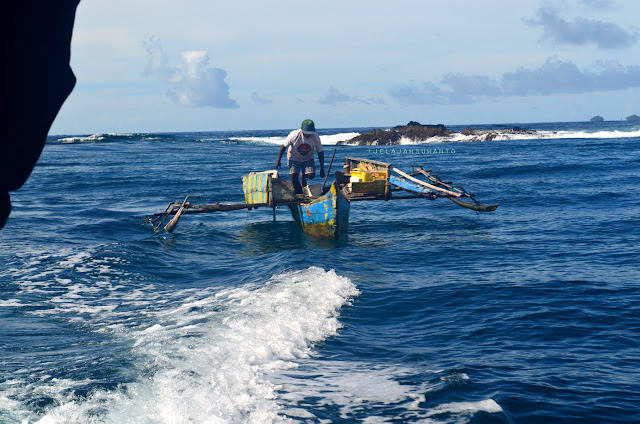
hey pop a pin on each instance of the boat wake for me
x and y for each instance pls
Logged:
(194, 355)
(360, 391)
(242, 354)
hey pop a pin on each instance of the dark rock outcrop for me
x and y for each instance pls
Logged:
(413, 131)
(418, 133)
(597, 118)
(37, 39)
(484, 134)
(633, 118)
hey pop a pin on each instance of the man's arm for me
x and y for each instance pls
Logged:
(321, 160)
(280, 153)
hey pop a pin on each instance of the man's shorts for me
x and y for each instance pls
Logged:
(308, 166)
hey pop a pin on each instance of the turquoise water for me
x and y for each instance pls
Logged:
(425, 312)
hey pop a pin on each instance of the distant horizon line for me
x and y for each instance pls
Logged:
(351, 127)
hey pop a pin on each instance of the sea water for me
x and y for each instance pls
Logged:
(423, 313)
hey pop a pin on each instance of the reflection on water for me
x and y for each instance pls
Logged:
(260, 238)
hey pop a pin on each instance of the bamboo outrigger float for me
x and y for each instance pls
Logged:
(324, 213)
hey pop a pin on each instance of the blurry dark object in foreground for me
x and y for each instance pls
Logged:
(36, 49)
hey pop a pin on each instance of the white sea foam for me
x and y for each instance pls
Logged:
(94, 138)
(353, 388)
(466, 408)
(11, 303)
(597, 134)
(86, 139)
(258, 140)
(326, 139)
(334, 139)
(374, 393)
(497, 135)
(205, 355)
(217, 355)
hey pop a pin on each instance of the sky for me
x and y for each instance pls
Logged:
(207, 65)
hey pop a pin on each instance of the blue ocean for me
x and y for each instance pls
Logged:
(424, 312)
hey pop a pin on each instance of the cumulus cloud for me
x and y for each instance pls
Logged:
(553, 77)
(599, 4)
(259, 99)
(557, 76)
(333, 96)
(581, 31)
(194, 83)
(419, 94)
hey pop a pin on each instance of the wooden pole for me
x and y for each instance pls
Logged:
(174, 221)
(431, 186)
(478, 207)
(432, 178)
(165, 214)
(271, 199)
(328, 169)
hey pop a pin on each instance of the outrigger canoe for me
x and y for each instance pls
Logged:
(326, 217)
(324, 213)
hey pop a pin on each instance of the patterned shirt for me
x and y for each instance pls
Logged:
(300, 145)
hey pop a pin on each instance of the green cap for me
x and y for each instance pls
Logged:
(308, 125)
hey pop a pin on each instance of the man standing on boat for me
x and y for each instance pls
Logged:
(300, 144)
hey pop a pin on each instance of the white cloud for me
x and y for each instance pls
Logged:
(333, 96)
(260, 99)
(581, 31)
(194, 84)
(599, 4)
(553, 77)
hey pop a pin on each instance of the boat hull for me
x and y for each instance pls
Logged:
(326, 217)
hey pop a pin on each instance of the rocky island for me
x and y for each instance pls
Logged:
(597, 118)
(413, 131)
(418, 133)
(482, 134)
(633, 118)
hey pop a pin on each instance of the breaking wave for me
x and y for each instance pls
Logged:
(106, 138)
(497, 135)
(326, 139)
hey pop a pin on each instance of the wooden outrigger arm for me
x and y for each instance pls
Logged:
(454, 196)
(431, 186)
(172, 211)
(478, 207)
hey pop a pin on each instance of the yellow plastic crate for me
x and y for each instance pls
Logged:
(362, 175)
